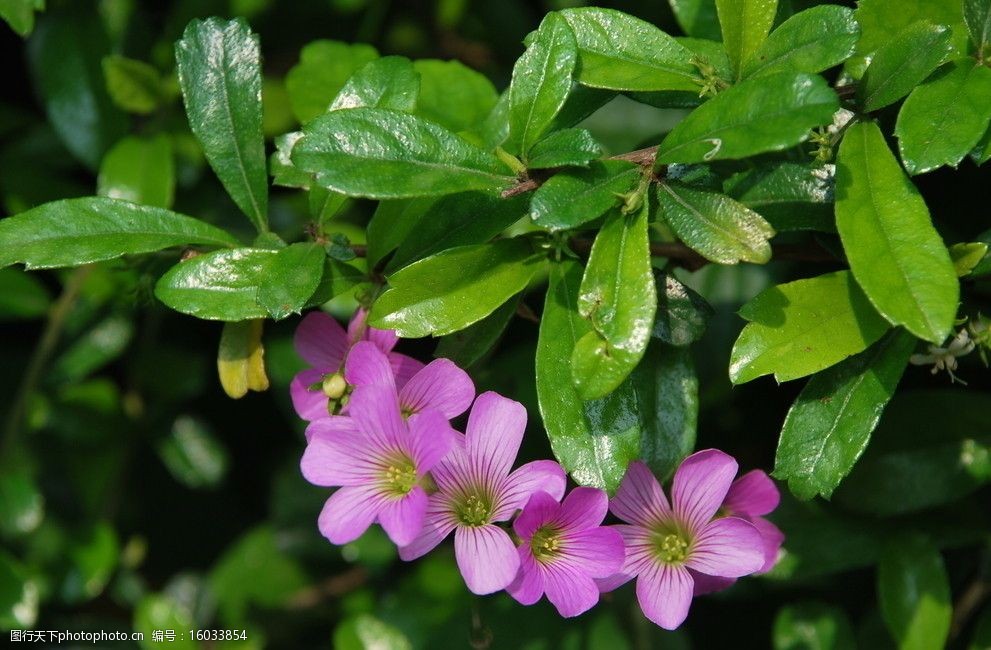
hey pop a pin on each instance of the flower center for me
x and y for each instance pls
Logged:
(545, 543)
(400, 476)
(671, 547)
(474, 510)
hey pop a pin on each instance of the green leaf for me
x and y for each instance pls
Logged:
(802, 327)
(65, 53)
(222, 285)
(790, 196)
(667, 401)
(19, 595)
(881, 19)
(469, 345)
(291, 278)
(139, 170)
(220, 75)
(283, 171)
(716, 226)
(385, 154)
(363, 631)
(568, 147)
(323, 69)
(158, 612)
(682, 315)
(829, 425)
(99, 345)
(744, 25)
(192, 454)
(449, 291)
(570, 199)
(22, 295)
(967, 256)
(982, 632)
(133, 85)
(78, 231)
(620, 52)
(902, 63)
(894, 251)
(458, 220)
(22, 507)
(982, 152)
(392, 222)
(453, 95)
(541, 82)
(944, 118)
(19, 14)
(94, 554)
(914, 593)
(812, 626)
(810, 41)
(977, 14)
(619, 299)
(697, 17)
(765, 114)
(389, 82)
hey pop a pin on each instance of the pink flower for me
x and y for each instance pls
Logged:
(379, 461)
(440, 385)
(475, 489)
(667, 544)
(564, 547)
(322, 342)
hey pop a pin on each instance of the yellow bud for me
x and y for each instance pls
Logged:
(334, 386)
(241, 358)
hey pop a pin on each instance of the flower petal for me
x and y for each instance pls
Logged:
(452, 474)
(613, 582)
(309, 404)
(368, 366)
(403, 518)
(583, 508)
(430, 438)
(358, 330)
(599, 552)
(404, 367)
(640, 499)
(441, 385)
(528, 585)
(665, 594)
(321, 341)
(515, 490)
(375, 410)
(699, 486)
(729, 547)
(486, 557)
(437, 525)
(494, 433)
(752, 495)
(540, 509)
(348, 513)
(773, 539)
(337, 454)
(569, 590)
(706, 584)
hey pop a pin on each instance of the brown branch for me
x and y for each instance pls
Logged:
(642, 157)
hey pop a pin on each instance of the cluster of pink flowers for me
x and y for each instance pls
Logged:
(379, 431)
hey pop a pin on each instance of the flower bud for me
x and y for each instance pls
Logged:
(334, 385)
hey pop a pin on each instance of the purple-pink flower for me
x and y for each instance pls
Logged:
(564, 548)
(322, 342)
(475, 489)
(379, 461)
(668, 543)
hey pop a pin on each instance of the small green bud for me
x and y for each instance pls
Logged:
(334, 386)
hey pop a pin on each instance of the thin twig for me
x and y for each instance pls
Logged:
(643, 157)
(333, 587)
(967, 604)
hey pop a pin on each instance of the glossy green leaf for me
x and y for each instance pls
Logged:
(451, 290)
(94, 554)
(894, 251)
(810, 41)
(758, 115)
(290, 279)
(453, 95)
(458, 220)
(469, 345)
(139, 170)
(22, 506)
(620, 52)
(565, 148)
(812, 626)
(79, 231)
(364, 631)
(682, 315)
(789, 196)
(830, 423)
(582, 101)
(65, 53)
(222, 285)
(392, 222)
(134, 86)
(19, 14)
(977, 14)
(19, 595)
(541, 82)
(281, 167)
(744, 25)
(159, 612)
(667, 397)
(618, 297)
(982, 152)
(914, 593)
(389, 82)
(944, 118)
(881, 19)
(22, 295)
(902, 63)
(802, 327)
(697, 17)
(323, 69)
(716, 226)
(572, 198)
(192, 453)
(384, 154)
(967, 256)
(219, 70)
(99, 345)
